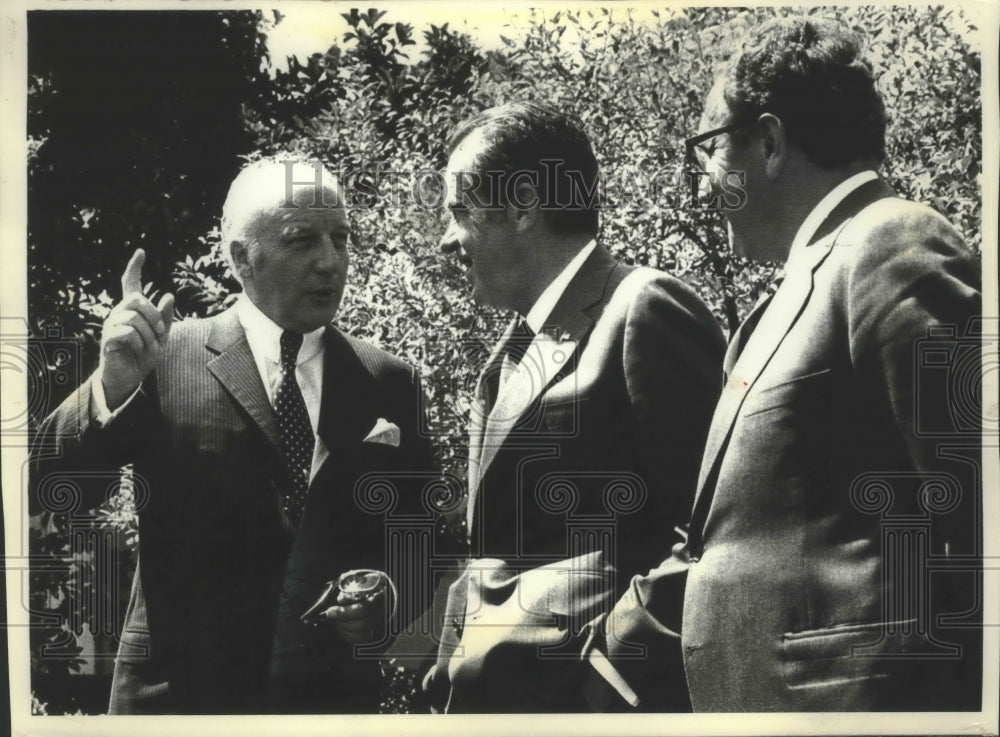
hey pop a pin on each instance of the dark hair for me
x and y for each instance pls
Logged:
(811, 74)
(547, 143)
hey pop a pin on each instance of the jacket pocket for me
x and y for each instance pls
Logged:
(803, 390)
(843, 666)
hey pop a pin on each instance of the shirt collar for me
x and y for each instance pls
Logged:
(548, 299)
(825, 206)
(264, 335)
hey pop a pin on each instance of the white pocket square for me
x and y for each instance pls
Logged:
(384, 433)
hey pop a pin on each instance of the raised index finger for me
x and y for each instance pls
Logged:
(132, 278)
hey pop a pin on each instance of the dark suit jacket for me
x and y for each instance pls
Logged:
(203, 632)
(578, 475)
(814, 532)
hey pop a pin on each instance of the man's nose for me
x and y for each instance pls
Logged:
(329, 256)
(449, 241)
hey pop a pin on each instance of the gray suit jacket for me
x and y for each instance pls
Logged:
(834, 481)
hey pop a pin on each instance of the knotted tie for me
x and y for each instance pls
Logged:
(294, 429)
(509, 356)
(520, 339)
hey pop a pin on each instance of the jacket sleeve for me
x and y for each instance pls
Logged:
(73, 456)
(913, 311)
(673, 351)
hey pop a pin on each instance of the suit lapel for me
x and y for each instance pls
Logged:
(779, 316)
(550, 352)
(347, 398)
(482, 403)
(348, 401)
(235, 368)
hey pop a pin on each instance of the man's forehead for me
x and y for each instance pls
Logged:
(304, 212)
(307, 196)
(716, 112)
(463, 168)
(287, 180)
(465, 157)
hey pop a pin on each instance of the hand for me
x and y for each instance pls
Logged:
(356, 621)
(134, 335)
(434, 687)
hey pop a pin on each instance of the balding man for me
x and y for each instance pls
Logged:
(250, 430)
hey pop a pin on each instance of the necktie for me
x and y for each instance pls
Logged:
(294, 429)
(746, 330)
(510, 355)
(520, 340)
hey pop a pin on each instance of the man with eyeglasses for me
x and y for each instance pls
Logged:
(825, 501)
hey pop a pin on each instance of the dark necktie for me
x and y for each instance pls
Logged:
(520, 339)
(513, 349)
(294, 429)
(746, 330)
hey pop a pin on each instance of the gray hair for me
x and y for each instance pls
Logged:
(263, 185)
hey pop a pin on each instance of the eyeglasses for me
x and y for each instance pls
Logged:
(696, 155)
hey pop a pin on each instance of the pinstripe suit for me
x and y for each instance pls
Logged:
(212, 621)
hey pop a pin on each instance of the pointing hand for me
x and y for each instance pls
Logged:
(134, 335)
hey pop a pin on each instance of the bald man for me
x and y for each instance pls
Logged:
(250, 430)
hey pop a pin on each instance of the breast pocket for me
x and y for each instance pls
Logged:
(812, 391)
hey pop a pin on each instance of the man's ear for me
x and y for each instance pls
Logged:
(523, 206)
(240, 253)
(774, 144)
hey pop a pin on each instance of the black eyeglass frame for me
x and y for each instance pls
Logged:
(690, 144)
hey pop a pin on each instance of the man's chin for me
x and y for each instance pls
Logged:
(484, 297)
(311, 319)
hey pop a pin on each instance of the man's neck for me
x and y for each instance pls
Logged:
(800, 196)
(548, 257)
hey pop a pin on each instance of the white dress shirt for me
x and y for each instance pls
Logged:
(264, 338)
(543, 307)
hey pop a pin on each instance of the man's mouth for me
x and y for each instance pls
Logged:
(323, 293)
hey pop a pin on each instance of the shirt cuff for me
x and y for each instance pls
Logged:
(99, 411)
(609, 673)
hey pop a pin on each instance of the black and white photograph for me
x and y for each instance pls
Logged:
(536, 368)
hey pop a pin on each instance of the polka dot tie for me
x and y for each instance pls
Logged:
(294, 429)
